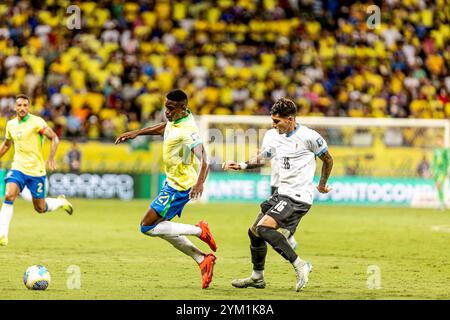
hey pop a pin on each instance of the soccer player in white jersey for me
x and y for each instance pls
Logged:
(184, 181)
(296, 147)
(275, 179)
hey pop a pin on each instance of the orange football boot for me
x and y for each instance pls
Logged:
(206, 267)
(206, 235)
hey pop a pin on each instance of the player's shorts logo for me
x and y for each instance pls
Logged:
(279, 207)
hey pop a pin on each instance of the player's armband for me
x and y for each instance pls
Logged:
(41, 132)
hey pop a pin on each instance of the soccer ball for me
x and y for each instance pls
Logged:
(36, 277)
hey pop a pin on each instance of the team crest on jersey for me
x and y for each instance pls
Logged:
(195, 136)
(19, 135)
(319, 142)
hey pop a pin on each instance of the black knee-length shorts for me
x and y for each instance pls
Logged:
(285, 211)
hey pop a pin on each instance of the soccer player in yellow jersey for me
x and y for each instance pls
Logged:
(26, 132)
(182, 144)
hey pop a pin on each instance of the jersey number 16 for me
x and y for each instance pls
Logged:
(286, 164)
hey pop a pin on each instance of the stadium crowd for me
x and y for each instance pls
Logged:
(231, 57)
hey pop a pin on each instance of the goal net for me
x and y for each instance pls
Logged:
(377, 161)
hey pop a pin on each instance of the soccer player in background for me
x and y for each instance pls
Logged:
(181, 143)
(439, 169)
(296, 147)
(275, 179)
(28, 169)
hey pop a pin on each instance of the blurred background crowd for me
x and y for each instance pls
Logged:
(231, 57)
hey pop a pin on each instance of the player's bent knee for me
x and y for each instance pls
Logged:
(252, 233)
(10, 197)
(255, 240)
(148, 230)
(278, 242)
(266, 233)
(261, 230)
(40, 209)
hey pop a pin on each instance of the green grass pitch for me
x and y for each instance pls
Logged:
(409, 246)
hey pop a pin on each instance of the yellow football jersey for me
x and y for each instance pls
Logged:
(180, 163)
(27, 136)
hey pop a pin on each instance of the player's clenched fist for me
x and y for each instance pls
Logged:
(51, 164)
(196, 191)
(324, 189)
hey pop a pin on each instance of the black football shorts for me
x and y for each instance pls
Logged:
(285, 211)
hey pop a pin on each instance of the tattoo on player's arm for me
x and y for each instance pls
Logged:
(327, 165)
(254, 165)
(256, 162)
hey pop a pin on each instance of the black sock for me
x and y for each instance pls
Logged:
(258, 249)
(278, 242)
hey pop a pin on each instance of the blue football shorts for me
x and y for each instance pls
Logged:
(170, 202)
(37, 185)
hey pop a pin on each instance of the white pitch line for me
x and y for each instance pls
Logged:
(441, 228)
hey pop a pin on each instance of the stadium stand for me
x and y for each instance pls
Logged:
(231, 57)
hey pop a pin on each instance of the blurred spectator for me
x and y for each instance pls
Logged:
(423, 168)
(73, 158)
(352, 167)
(230, 56)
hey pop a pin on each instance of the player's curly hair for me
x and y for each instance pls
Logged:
(177, 95)
(284, 108)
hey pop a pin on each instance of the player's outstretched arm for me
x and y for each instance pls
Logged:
(51, 135)
(255, 162)
(6, 145)
(327, 165)
(197, 189)
(157, 129)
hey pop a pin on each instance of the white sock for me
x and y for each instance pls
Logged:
(6, 214)
(167, 228)
(257, 274)
(53, 203)
(290, 238)
(186, 246)
(26, 194)
(292, 242)
(298, 263)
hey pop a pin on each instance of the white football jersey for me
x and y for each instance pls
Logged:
(274, 173)
(296, 153)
